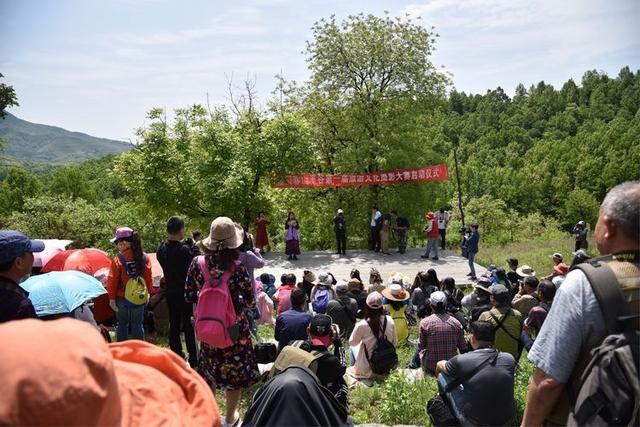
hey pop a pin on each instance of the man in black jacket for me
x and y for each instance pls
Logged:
(340, 227)
(175, 258)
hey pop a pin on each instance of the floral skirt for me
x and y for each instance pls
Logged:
(230, 368)
(293, 247)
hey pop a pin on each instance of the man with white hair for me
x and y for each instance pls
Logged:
(576, 323)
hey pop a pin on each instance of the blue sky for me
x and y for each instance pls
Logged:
(98, 66)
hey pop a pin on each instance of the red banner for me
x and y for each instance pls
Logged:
(421, 174)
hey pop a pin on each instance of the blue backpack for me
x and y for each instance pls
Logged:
(321, 301)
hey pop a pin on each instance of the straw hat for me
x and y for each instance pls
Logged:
(224, 234)
(395, 292)
(525, 271)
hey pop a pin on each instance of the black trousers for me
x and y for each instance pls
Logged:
(341, 240)
(443, 237)
(375, 238)
(180, 313)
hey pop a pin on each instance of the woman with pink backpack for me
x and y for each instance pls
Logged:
(221, 288)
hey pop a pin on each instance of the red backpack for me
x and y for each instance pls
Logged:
(215, 317)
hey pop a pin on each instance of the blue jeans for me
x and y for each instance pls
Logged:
(472, 268)
(456, 398)
(129, 315)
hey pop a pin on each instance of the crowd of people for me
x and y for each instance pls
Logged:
(331, 332)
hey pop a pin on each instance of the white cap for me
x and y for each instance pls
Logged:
(438, 297)
(340, 211)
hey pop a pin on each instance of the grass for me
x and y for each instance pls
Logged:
(400, 401)
(534, 253)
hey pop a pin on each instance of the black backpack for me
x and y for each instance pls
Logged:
(609, 391)
(384, 357)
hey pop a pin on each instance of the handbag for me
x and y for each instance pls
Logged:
(265, 352)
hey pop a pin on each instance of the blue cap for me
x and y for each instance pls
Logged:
(14, 244)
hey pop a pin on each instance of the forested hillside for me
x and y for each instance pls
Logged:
(530, 166)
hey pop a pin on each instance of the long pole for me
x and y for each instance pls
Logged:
(455, 158)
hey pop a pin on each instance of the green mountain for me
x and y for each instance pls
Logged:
(32, 142)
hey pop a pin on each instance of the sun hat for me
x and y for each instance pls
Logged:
(342, 287)
(438, 297)
(224, 234)
(483, 283)
(309, 276)
(324, 279)
(320, 330)
(498, 289)
(561, 268)
(14, 244)
(395, 292)
(525, 271)
(374, 300)
(122, 233)
(91, 383)
(558, 256)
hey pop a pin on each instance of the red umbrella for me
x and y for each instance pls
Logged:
(86, 260)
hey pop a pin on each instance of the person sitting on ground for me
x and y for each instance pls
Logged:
(513, 276)
(507, 321)
(85, 381)
(343, 310)
(557, 261)
(454, 300)
(356, 291)
(579, 257)
(331, 367)
(292, 324)
(535, 319)
(265, 306)
(322, 293)
(527, 297)
(295, 397)
(307, 284)
(376, 284)
(485, 396)
(355, 274)
(282, 297)
(268, 284)
(424, 284)
(16, 261)
(559, 273)
(396, 300)
(479, 301)
(365, 335)
(441, 335)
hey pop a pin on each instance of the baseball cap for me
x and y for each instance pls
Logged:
(342, 286)
(122, 233)
(340, 211)
(320, 330)
(374, 300)
(557, 255)
(438, 297)
(14, 244)
(498, 289)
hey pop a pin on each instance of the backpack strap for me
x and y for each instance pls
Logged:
(454, 384)
(499, 324)
(207, 275)
(606, 288)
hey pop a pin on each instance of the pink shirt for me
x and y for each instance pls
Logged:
(362, 335)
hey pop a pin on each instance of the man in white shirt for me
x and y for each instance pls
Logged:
(376, 226)
(442, 217)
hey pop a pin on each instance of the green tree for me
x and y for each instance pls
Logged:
(71, 181)
(8, 98)
(18, 185)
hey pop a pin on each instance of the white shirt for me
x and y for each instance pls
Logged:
(375, 217)
(443, 219)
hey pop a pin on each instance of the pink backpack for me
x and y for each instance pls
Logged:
(215, 318)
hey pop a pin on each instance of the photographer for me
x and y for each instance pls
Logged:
(580, 232)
